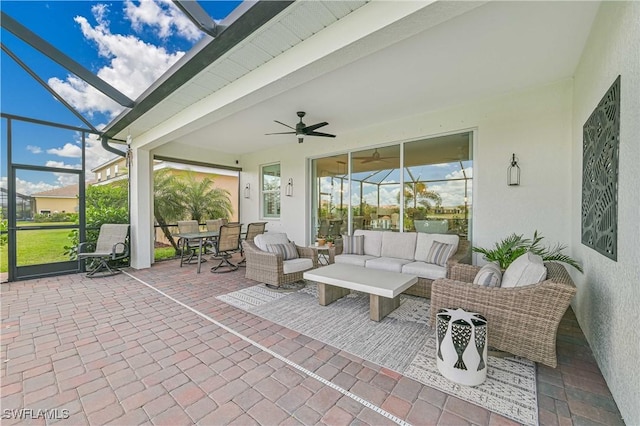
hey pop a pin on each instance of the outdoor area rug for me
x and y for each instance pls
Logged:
(402, 341)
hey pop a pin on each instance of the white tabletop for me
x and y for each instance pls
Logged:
(368, 280)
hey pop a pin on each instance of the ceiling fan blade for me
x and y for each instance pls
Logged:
(326, 135)
(280, 122)
(314, 127)
(281, 133)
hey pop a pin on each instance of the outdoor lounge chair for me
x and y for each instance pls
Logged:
(272, 268)
(111, 245)
(522, 321)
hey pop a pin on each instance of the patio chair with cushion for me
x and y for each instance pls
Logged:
(227, 243)
(276, 261)
(111, 246)
(522, 320)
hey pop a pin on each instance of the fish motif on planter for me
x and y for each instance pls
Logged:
(480, 324)
(442, 325)
(461, 335)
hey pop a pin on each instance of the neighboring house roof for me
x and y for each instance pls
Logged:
(70, 191)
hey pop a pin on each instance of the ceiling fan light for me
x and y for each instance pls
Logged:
(300, 138)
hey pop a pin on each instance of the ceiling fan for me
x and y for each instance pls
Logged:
(375, 156)
(301, 130)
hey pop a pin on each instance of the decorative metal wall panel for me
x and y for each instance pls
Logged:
(601, 139)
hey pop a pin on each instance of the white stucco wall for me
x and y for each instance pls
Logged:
(534, 124)
(608, 293)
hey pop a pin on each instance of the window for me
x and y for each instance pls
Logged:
(115, 170)
(108, 173)
(270, 177)
(99, 176)
(426, 189)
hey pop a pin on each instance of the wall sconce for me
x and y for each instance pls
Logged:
(288, 191)
(513, 172)
(247, 191)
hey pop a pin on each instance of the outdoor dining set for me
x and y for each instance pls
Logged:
(221, 239)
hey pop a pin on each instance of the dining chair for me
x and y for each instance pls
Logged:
(214, 225)
(189, 246)
(227, 243)
(253, 229)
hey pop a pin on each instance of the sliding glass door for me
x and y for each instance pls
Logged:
(418, 186)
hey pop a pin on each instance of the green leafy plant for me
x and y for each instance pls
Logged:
(514, 246)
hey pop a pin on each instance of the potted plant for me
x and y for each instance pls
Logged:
(330, 240)
(513, 246)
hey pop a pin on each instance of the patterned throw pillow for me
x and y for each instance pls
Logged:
(353, 244)
(288, 250)
(489, 275)
(439, 253)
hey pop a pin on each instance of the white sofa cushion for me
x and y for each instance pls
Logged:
(262, 240)
(353, 259)
(424, 242)
(391, 264)
(401, 245)
(372, 241)
(526, 269)
(425, 270)
(297, 265)
(489, 275)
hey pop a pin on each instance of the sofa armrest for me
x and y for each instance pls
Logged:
(521, 320)
(462, 272)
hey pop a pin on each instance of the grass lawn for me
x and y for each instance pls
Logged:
(38, 246)
(47, 246)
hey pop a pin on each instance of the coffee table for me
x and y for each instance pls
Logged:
(384, 287)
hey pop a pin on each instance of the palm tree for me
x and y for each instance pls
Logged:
(420, 194)
(203, 201)
(168, 204)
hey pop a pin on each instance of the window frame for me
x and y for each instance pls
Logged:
(264, 193)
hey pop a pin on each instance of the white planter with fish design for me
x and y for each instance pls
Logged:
(461, 352)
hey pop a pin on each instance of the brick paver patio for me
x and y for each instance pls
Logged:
(115, 351)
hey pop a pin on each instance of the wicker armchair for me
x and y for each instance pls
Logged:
(269, 268)
(522, 321)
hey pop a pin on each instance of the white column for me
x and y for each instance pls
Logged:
(141, 209)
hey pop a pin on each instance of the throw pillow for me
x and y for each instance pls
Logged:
(288, 250)
(353, 244)
(439, 253)
(526, 269)
(489, 275)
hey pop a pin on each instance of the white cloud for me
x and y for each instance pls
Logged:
(162, 16)
(69, 150)
(27, 188)
(133, 66)
(34, 149)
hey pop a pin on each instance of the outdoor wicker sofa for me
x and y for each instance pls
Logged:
(271, 268)
(423, 287)
(522, 321)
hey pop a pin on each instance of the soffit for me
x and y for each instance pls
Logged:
(442, 55)
(298, 22)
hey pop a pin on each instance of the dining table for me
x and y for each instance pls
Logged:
(196, 236)
(201, 237)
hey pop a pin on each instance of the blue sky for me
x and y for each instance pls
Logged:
(127, 43)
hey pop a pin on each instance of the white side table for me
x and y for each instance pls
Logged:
(462, 346)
